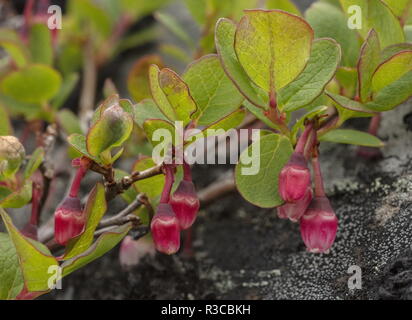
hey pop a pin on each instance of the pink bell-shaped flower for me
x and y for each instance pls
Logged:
(319, 225)
(165, 229)
(69, 220)
(185, 204)
(294, 179)
(294, 211)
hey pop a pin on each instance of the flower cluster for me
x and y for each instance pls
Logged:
(175, 212)
(318, 222)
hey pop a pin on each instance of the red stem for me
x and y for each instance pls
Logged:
(300, 147)
(74, 190)
(319, 187)
(374, 124)
(168, 185)
(187, 172)
(35, 204)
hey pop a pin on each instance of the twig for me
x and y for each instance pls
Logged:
(123, 216)
(216, 190)
(114, 188)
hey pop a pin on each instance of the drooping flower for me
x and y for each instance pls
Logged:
(294, 179)
(294, 211)
(69, 220)
(165, 229)
(318, 226)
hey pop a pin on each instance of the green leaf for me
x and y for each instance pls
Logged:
(392, 70)
(111, 130)
(138, 79)
(145, 110)
(175, 27)
(11, 277)
(178, 94)
(18, 198)
(329, 21)
(285, 5)
(11, 43)
(390, 51)
(369, 60)
(35, 259)
(392, 95)
(153, 186)
(34, 163)
(225, 41)
(40, 44)
(319, 71)
(349, 104)
(213, 92)
(33, 84)
(69, 121)
(354, 137)
(103, 244)
(68, 85)
(158, 95)
(261, 189)
(400, 7)
(5, 125)
(166, 130)
(377, 15)
(347, 79)
(228, 122)
(78, 142)
(273, 47)
(96, 207)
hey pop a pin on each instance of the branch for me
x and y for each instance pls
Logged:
(114, 188)
(216, 190)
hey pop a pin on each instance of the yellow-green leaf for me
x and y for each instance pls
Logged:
(225, 42)
(368, 62)
(273, 47)
(33, 84)
(96, 207)
(310, 84)
(35, 259)
(178, 94)
(392, 70)
(376, 14)
(214, 93)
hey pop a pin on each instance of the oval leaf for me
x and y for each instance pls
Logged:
(261, 189)
(355, 137)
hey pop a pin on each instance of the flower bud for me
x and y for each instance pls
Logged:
(294, 211)
(11, 156)
(318, 226)
(294, 179)
(185, 204)
(69, 220)
(165, 229)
